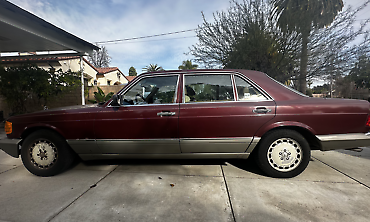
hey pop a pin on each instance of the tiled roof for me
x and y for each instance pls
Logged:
(51, 58)
(43, 59)
(130, 78)
(105, 70)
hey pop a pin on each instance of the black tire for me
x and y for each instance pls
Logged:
(52, 157)
(283, 153)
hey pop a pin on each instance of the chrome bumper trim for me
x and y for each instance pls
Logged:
(343, 141)
(10, 146)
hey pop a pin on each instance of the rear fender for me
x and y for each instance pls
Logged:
(267, 127)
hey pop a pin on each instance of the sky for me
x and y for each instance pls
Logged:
(104, 20)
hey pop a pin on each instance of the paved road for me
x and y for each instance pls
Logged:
(334, 187)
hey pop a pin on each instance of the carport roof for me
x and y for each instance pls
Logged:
(22, 31)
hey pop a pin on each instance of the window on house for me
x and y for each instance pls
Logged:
(208, 88)
(108, 82)
(95, 82)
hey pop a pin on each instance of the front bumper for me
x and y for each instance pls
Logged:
(343, 141)
(10, 146)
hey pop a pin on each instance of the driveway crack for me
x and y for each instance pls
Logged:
(228, 193)
(90, 187)
(352, 178)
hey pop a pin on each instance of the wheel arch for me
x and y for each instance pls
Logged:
(310, 137)
(31, 129)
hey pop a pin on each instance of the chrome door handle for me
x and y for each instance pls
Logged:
(260, 110)
(165, 113)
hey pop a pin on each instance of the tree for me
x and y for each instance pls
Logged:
(334, 50)
(100, 58)
(29, 82)
(187, 65)
(360, 74)
(246, 37)
(153, 68)
(132, 71)
(100, 96)
(300, 16)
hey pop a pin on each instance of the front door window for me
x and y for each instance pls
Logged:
(152, 90)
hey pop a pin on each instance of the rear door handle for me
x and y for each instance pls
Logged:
(260, 110)
(166, 113)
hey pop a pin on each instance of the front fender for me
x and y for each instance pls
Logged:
(34, 127)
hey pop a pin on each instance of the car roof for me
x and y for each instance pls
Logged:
(277, 91)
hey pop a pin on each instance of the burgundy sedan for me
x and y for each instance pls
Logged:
(192, 114)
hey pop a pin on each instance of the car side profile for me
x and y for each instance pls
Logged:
(201, 114)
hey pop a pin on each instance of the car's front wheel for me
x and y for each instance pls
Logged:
(45, 153)
(283, 153)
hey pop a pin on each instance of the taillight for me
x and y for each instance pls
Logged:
(368, 121)
(9, 127)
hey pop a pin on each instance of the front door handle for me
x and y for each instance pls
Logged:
(166, 113)
(260, 110)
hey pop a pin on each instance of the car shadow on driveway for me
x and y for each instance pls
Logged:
(153, 162)
(248, 165)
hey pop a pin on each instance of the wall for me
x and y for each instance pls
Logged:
(4, 108)
(106, 90)
(66, 99)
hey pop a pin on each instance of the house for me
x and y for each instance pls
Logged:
(93, 76)
(108, 76)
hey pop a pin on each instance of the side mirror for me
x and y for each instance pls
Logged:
(116, 100)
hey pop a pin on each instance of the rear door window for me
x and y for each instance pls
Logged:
(208, 88)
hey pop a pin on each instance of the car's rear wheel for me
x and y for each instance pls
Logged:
(283, 153)
(45, 153)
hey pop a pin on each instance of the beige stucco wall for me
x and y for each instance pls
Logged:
(115, 76)
(102, 81)
(74, 66)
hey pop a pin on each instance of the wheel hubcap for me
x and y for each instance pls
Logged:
(284, 154)
(43, 153)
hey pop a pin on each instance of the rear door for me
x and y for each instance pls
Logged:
(218, 116)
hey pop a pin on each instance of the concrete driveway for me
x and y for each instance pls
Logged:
(334, 187)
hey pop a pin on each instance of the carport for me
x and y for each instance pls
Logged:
(22, 31)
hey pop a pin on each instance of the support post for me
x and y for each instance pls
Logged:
(82, 81)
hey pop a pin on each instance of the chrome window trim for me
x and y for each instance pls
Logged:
(146, 76)
(192, 103)
(206, 73)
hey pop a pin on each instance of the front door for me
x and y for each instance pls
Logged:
(146, 121)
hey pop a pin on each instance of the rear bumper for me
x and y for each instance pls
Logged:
(10, 146)
(343, 141)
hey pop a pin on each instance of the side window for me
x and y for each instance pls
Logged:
(247, 92)
(152, 90)
(208, 88)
